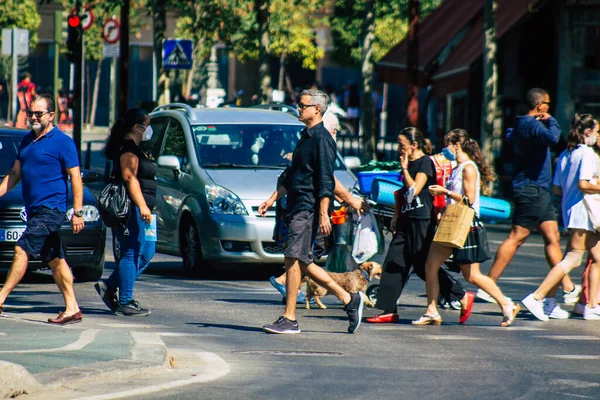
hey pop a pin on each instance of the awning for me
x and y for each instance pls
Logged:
(434, 33)
(453, 74)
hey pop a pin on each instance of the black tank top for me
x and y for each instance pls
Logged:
(146, 173)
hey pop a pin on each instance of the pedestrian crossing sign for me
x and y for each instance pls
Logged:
(177, 54)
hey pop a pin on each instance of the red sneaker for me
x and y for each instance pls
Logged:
(384, 319)
(465, 310)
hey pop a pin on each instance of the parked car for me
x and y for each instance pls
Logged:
(215, 167)
(84, 252)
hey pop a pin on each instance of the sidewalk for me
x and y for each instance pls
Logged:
(77, 361)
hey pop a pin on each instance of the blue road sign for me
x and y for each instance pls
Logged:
(177, 54)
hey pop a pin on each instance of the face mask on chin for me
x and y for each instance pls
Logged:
(148, 132)
(591, 140)
(449, 154)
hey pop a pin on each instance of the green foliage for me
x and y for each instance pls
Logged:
(391, 26)
(21, 14)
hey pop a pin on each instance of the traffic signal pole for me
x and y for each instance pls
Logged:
(75, 46)
(124, 62)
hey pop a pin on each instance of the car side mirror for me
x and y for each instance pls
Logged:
(352, 162)
(170, 162)
(88, 176)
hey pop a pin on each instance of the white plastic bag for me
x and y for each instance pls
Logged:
(366, 239)
(592, 204)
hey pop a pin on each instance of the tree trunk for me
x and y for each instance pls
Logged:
(88, 93)
(264, 69)
(491, 131)
(412, 65)
(366, 109)
(92, 120)
(290, 88)
(281, 83)
(124, 60)
(159, 25)
(565, 107)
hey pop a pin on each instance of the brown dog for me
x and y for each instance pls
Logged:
(351, 282)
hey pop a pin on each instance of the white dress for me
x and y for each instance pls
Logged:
(580, 164)
(455, 184)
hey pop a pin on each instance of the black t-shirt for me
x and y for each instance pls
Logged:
(146, 173)
(421, 205)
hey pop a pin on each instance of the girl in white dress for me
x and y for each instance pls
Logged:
(468, 179)
(576, 170)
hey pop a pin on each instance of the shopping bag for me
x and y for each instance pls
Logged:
(592, 204)
(476, 248)
(366, 239)
(455, 224)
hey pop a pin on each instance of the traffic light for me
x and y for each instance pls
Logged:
(60, 27)
(74, 35)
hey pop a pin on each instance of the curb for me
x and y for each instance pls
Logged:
(15, 380)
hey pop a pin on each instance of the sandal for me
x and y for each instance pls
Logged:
(1, 307)
(428, 320)
(510, 318)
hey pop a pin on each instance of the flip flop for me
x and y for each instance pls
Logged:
(509, 319)
(428, 320)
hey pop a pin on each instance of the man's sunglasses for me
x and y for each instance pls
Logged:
(302, 106)
(38, 114)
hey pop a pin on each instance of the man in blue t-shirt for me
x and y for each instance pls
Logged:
(46, 157)
(532, 137)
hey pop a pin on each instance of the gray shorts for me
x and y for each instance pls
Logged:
(302, 230)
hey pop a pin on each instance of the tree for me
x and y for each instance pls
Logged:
(491, 132)
(264, 43)
(20, 14)
(292, 30)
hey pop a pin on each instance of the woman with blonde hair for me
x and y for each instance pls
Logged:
(467, 181)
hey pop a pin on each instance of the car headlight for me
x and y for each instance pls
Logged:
(223, 201)
(90, 214)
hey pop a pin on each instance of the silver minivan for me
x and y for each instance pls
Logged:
(215, 167)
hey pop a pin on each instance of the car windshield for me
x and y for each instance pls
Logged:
(248, 146)
(9, 147)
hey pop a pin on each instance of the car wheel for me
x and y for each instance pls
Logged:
(372, 292)
(89, 273)
(191, 252)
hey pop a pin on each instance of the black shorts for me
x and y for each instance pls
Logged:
(302, 231)
(533, 206)
(41, 239)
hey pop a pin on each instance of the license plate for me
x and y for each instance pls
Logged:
(10, 235)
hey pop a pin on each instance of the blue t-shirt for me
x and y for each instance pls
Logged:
(44, 165)
(531, 140)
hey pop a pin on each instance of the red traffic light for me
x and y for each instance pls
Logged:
(74, 21)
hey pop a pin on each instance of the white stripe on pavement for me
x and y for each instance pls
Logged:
(86, 337)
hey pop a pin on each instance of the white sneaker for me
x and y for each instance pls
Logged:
(573, 296)
(553, 310)
(578, 309)
(536, 307)
(591, 313)
(483, 295)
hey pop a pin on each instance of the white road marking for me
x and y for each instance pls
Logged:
(512, 328)
(133, 326)
(2, 334)
(574, 383)
(183, 334)
(86, 337)
(575, 395)
(565, 337)
(575, 357)
(447, 337)
(523, 245)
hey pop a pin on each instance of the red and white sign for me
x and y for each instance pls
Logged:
(111, 31)
(87, 18)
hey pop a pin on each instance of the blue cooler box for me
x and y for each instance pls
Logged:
(365, 179)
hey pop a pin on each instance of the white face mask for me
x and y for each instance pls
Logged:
(147, 134)
(591, 140)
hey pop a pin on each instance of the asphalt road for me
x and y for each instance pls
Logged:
(530, 360)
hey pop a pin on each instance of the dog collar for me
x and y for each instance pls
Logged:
(365, 275)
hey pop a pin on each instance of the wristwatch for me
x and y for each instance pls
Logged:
(78, 213)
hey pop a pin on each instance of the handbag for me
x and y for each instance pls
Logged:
(455, 224)
(476, 248)
(114, 204)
